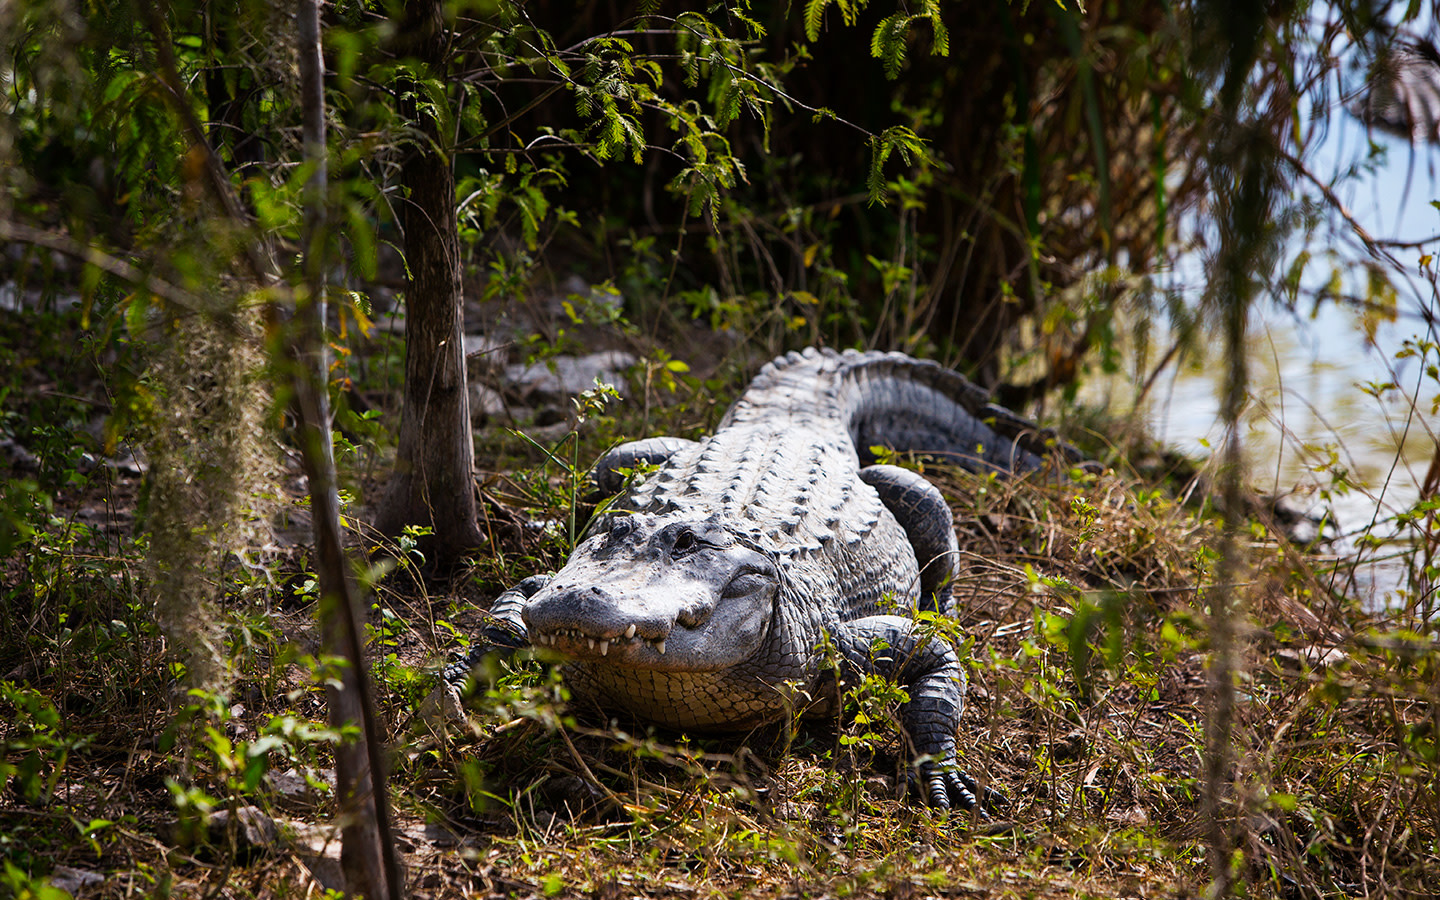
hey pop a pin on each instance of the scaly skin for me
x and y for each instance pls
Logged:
(706, 595)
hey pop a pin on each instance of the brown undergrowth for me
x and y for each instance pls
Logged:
(1081, 613)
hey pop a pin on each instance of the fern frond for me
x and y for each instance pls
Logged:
(875, 182)
(757, 31)
(888, 42)
(729, 105)
(635, 138)
(814, 17)
(899, 138)
(940, 38)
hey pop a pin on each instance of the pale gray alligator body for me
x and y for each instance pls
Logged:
(724, 590)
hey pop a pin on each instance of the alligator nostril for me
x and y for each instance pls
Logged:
(695, 616)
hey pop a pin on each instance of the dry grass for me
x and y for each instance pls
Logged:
(1082, 608)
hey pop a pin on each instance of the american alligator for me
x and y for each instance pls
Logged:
(725, 589)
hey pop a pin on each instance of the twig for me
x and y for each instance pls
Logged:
(63, 243)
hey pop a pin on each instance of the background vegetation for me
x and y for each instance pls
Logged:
(1173, 691)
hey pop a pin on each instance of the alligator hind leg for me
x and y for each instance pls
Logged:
(927, 667)
(922, 511)
(650, 451)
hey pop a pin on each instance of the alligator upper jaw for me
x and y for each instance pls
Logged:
(657, 593)
(669, 629)
(613, 646)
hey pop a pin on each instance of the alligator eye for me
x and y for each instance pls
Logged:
(685, 541)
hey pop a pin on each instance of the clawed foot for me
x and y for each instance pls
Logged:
(497, 636)
(946, 787)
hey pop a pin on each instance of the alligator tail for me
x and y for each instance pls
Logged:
(895, 401)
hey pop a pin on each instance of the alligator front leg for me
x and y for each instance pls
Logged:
(504, 629)
(607, 474)
(927, 667)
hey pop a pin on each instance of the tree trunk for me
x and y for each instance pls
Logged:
(433, 483)
(367, 849)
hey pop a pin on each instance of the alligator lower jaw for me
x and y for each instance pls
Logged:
(576, 643)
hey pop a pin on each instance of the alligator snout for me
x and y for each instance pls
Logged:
(601, 619)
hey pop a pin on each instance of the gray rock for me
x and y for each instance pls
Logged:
(441, 707)
(19, 457)
(484, 355)
(248, 830)
(292, 788)
(569, 376)
(72, 881)
(485, 402)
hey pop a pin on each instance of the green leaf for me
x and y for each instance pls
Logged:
(888, 42)
(814, 17)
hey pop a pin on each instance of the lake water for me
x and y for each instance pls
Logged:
(1313, 406)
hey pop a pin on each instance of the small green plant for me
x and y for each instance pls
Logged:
(590, 402)
(35, 752)
(17, 884)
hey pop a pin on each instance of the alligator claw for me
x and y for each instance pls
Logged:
(946, 787)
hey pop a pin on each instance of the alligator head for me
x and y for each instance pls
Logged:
(669, 592)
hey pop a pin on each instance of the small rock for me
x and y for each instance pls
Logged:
(484, 355)
(485, 402)
(1071, 746)
(72, 881)
(128, 462)
(1134, 817)
(293, 788)
(441, 707)
(440, 836)
(326, 871)
(880, 787)
(571, 796)
(249, 830)
(20, 458)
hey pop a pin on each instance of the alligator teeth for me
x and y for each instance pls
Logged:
(604, 648)
(630, 632)
(590, 643)
(660, 647)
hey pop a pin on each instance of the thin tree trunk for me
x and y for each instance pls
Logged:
(433, 482)
(367, 852)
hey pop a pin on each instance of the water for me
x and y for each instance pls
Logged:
(1316, 407)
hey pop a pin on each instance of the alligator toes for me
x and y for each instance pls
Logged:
(954, 789)
(963, 790)
(497, 637)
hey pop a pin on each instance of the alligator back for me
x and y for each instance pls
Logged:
(896, 401)
(783, 469)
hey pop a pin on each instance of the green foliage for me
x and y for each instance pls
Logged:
(591, 402)
(36, 752)
(887, 42)
(1087, 659)
(897, 138)
(18, 885)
